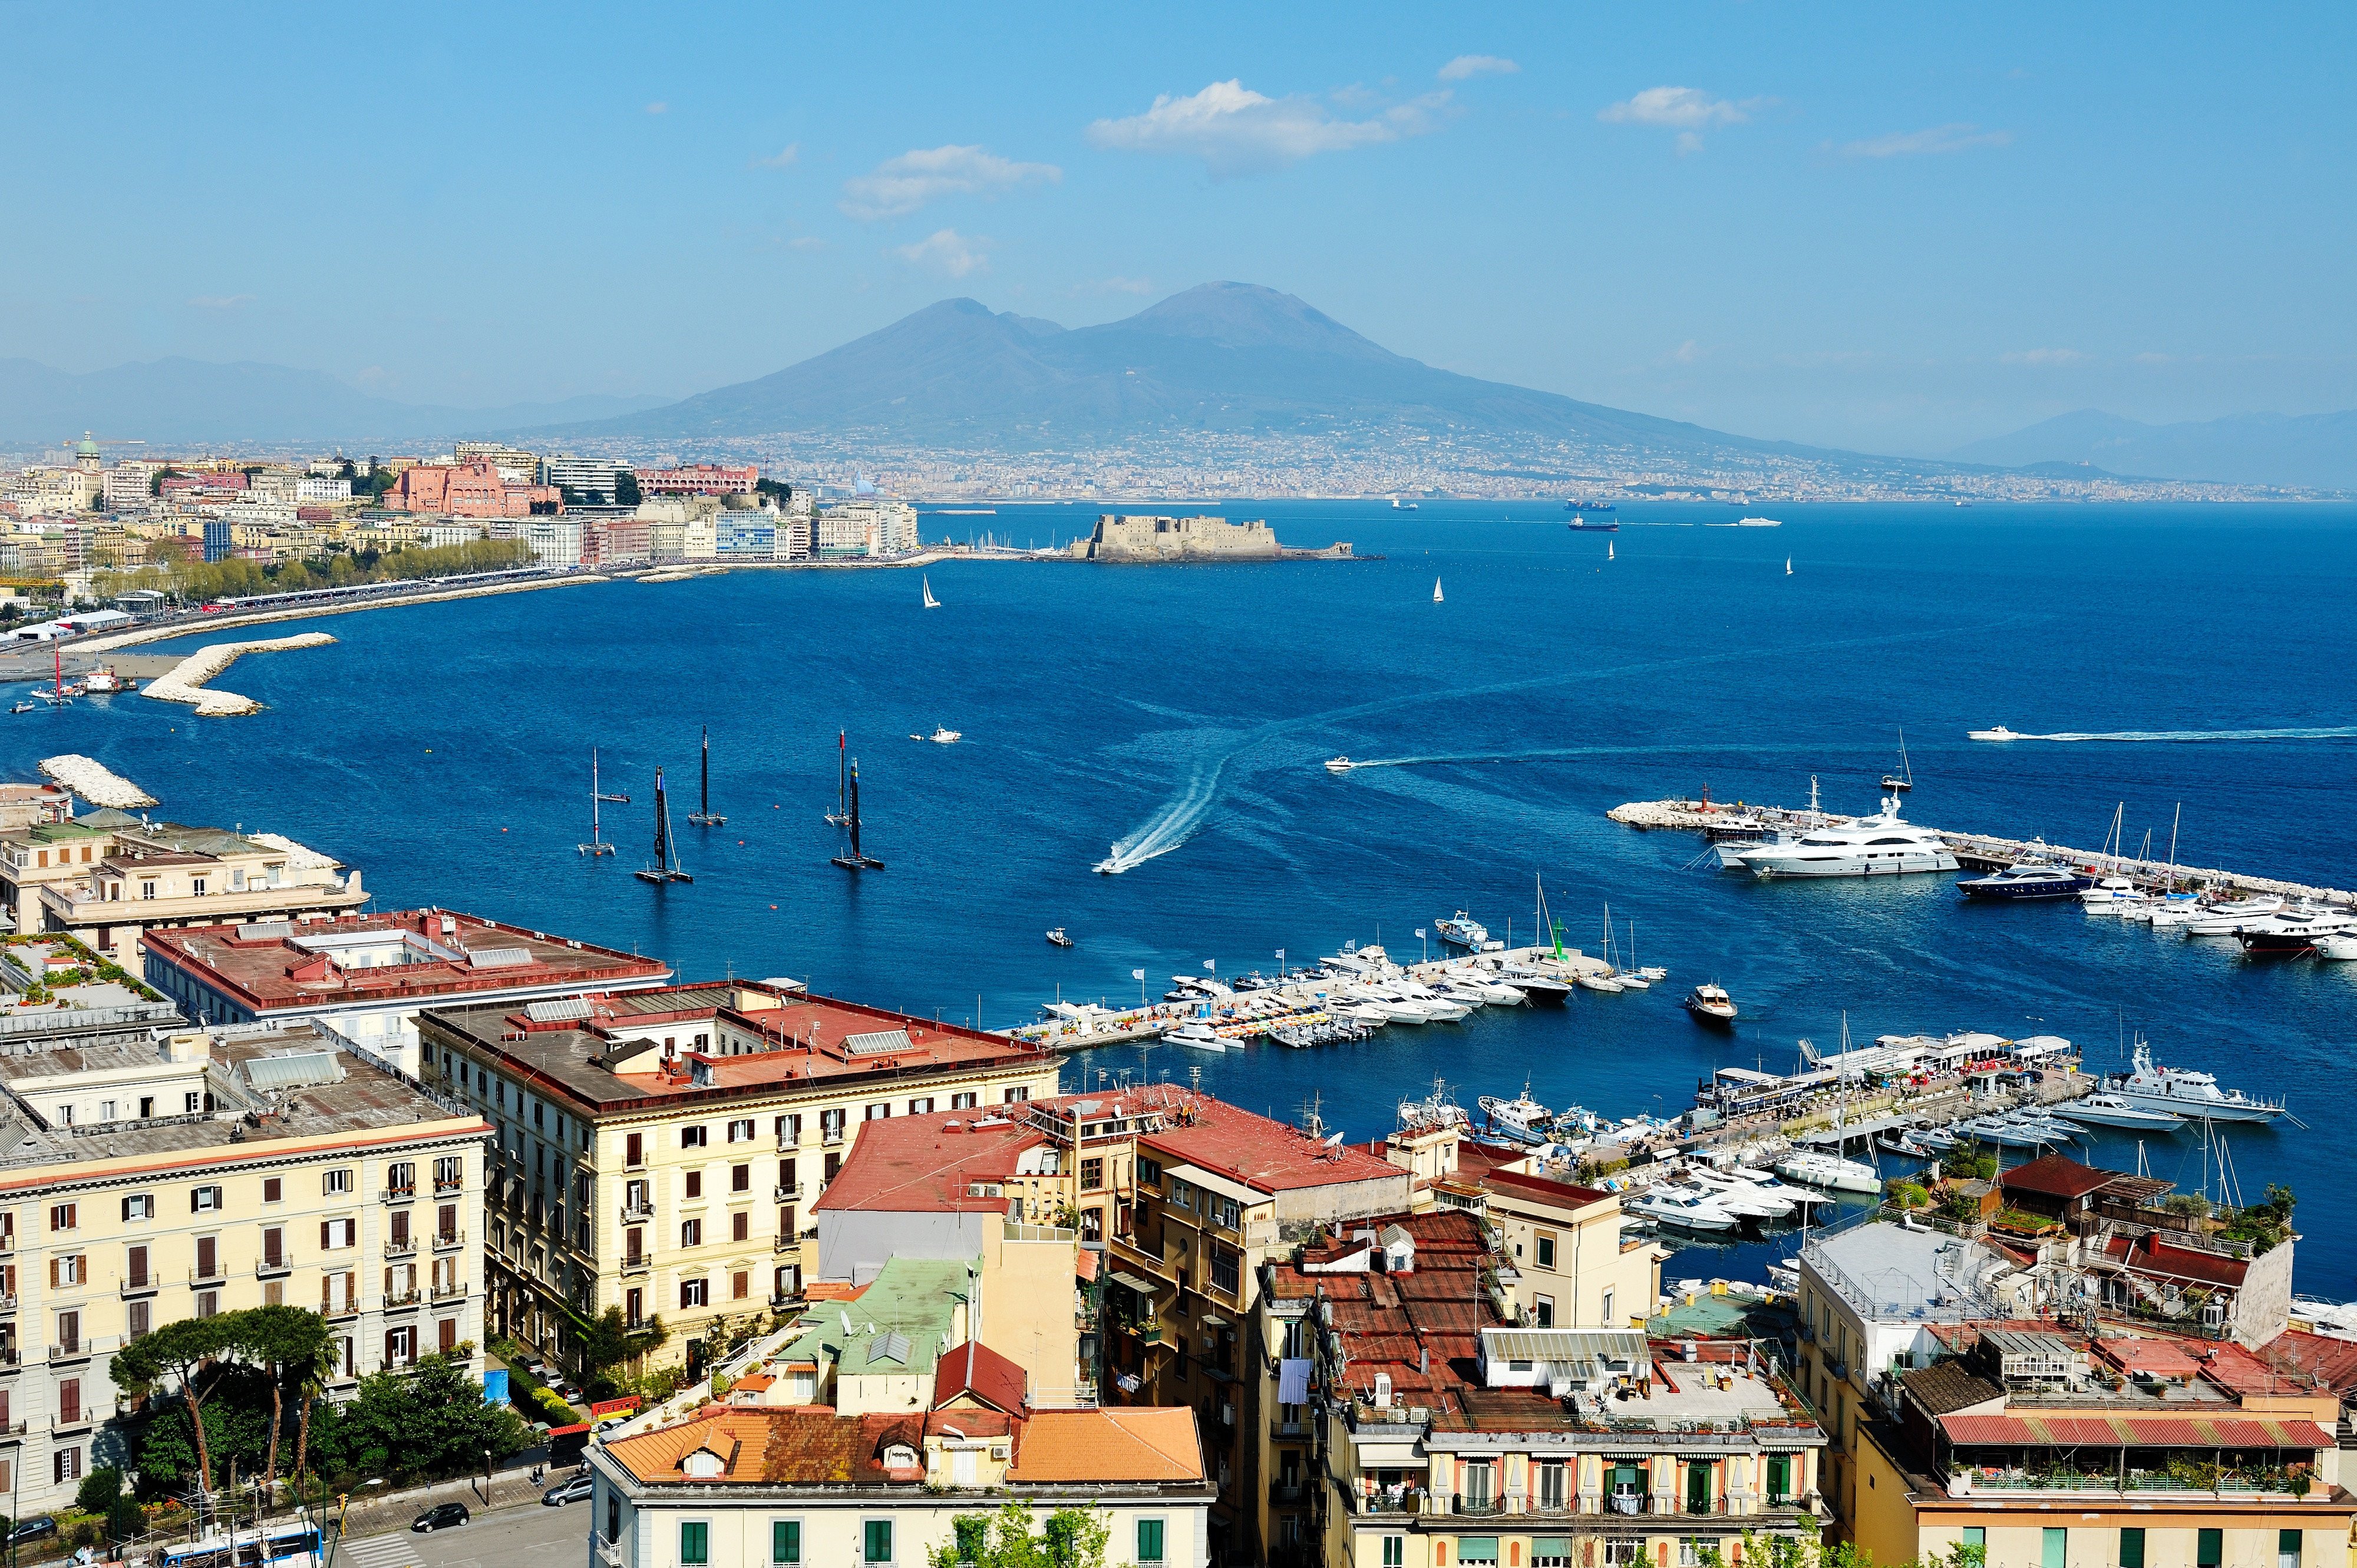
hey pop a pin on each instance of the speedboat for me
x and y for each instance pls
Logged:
(1457, 991)
(1542, 988)
(1431, 1001)
(2293, 931)
(1711, 1003)
(2341, 949)
(2112, 896)
(2000, 733)
(2111, 1111)
(2193, 1095)
(1831, 1171)
(1684, 1208)
(1059, 938)
(1199, 1035)
(2177, 910)
(2224, 919)
(1395, 1009)
(1739, 1198)
(944, 735)
(1767, 1182)
(1489, 990)
(1339, 765)
(1877, 845)
(1463, 930)
(2011, 1135)
(2030, 878)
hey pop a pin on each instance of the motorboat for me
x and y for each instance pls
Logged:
(1820, 1170)
(1599, 980)
(2000, 733)
(23, 707)
(1711, 1003)
(2293, 931)
(2182, 1091)
(103, 681)
(1522, 1118)
(1877, 845)
(1199, 1035)
(1395, 1009)
(2224, 919)
(1739, 1197)
(1339, 765)
(1369, 1014)
(1431, 1001)
(1684, 1208)
(1462, 930)
(1768, 1182)
(2112, 1111)
(942, 735)
(1464, 996)
(1632, 979)
(1059, 939)
(1489, 990)
(2340, 949)
(2112, 896)
(2032, 877)
(1434, 1111)
(2176, 911)
(2015, 1134)
(1550, 990)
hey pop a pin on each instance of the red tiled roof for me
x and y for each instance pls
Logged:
(2148, 1255)
(2321, 1356)
(2154, 1358)
(1547, 1188)
(1266, 1155)
(2055, 1175)
(923, 1164)
(975, 1369)
(2131, 1430)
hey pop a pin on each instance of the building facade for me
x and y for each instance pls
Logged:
(700, 479)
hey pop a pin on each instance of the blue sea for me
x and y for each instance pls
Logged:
(1183, 713)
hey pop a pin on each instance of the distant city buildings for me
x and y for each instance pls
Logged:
(700, 479)
(473, 488)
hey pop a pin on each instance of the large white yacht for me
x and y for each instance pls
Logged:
(2183, 1092)
(1871, 846)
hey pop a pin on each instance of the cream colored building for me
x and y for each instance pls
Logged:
(1573, 1269)
(660, 1150)
(152, 1181)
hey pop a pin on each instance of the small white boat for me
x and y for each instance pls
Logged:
(2224, 919)
(1760, 522)
(1788, 565)
(1831, 1171)
(1199, 1036)
(2112, 896)
(942, 735)
(1522, 1118)
(2000, 733)
(1339, 765)
(1598, 980)
(931, 603)
(2111, 1111)
(1711, 1003)
(1740, 1198)
(1684, 1208)
(2339, 949)
(1058, 938)
(1436, 591)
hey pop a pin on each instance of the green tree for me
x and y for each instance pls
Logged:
(608, 1341)
(125, 1520)
(193, 1354)
(292, 1347)
(431, 1421)
(99, 1489)
(626, 489)
(1072, 1538)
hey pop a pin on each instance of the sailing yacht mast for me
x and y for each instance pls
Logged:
(705, 818)
(597, 844)
(841, 814)
(858, 859)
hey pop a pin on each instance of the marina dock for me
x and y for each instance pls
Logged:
(1984, 852)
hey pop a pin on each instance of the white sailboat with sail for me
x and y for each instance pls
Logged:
(931, 603)
(1436, 591)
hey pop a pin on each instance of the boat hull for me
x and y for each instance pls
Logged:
(2057, 887)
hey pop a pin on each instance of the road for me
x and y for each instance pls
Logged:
(533, 1533)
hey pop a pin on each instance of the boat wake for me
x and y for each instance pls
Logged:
(2345, 732)
(1170, 827)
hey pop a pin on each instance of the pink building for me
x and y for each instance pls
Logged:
(608, 540)
(469, 489)
(699, 479)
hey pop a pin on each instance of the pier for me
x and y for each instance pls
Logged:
(186, 682)
(1984, 852)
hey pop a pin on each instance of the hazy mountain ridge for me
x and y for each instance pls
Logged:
(184, 400)
(2316, 450)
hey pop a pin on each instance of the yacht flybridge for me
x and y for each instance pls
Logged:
(1878, 845)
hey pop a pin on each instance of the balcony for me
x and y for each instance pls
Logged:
(401, 1247)
(640, 1265)
(1294, 1429)
(335, 1310)
(79, 1421)
(441, 1294)
(274, 1266)
(11, 1431)
(397, 1300)
(10, 1361)
(1477, 1507)
(393, 1195)
(133, 1285)
(443, 1187)
(202, 1278)
(1407, 1501)
(784, 1194)
(71, 1350)
(609, 1553)
(449, 1240)
(785, 1243)
(1282, 1491)
(637, 1211)
(789, 1141)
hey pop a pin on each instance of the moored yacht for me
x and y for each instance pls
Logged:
(1684, 1208)
(2112, 1111)
(1462, 930)
(2292, 931)
(1522, 1118)
(2182, 1092)
(1829, 1171)
(1877, 845)
(2224, 919)
(2112, 896)
(2029, 877)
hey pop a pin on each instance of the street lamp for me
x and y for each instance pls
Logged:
(487, 1478)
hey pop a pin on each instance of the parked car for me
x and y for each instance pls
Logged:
(572, 1489)
(441, 1516)
(41, 1527)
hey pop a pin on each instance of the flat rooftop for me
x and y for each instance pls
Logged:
(270, 1087)
(409, 957)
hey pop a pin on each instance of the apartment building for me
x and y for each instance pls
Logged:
(594, 477)
(658, 1150)
(366, 977)
(700, 479)
(1435, 1432)
(747, 1486)
(107, 878)
(2046, 1448)
(152, 1180)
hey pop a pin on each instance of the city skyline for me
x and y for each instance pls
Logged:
(1865, 231)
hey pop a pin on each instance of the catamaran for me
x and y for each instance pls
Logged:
(706, 816)
(841, 812)
(666, 866)
(858, 859)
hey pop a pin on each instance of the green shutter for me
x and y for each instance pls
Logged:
(785, 1541)
(879, 1540)
(2287, 1549)
(2211, 1548)
(1477, 1549)
(1551, 1549)
(2132, 1548)
(2055, 1551)
(694, 1543)
(1149, 1540)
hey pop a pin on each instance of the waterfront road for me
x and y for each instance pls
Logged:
(533, 1533)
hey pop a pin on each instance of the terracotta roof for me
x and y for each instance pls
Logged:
(2055, 1175)
(1145, 1443)
(2150, 1357)
(1268, 1155)
(1571, 1195)
(1946, 1386)
(975, 1369)
(2132, 1431)
(2323, 1356)
(924, 1163)
(2148, 1255)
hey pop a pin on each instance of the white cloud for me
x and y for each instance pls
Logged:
(220, 301)
(1235, 130)
(658, 107)
(1467, 66)
(901, 185)
(2045, 356)
(1687, 352)
(947, 251)
(784, 157)
(1677, 108)
(1688, 142)
(1953, 139)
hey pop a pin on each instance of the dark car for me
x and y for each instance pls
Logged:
(41, 1528)
(572, 1489)
(441, 1516)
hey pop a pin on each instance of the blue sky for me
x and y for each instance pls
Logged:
(1886, 228)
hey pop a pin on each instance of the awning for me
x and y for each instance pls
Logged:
(1142, 1287)
(1212, 1320)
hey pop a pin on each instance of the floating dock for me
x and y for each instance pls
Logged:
(1982, 851)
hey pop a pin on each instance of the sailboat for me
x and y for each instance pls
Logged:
(858, 859)
(841, 812)
(706, 818)
(1788, 565)
(1436, 591)
(1904, 779)
(666, 867)
(597, 844)
(1608, 550)
(931, 603)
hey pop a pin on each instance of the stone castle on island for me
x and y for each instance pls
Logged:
(1122, 538)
